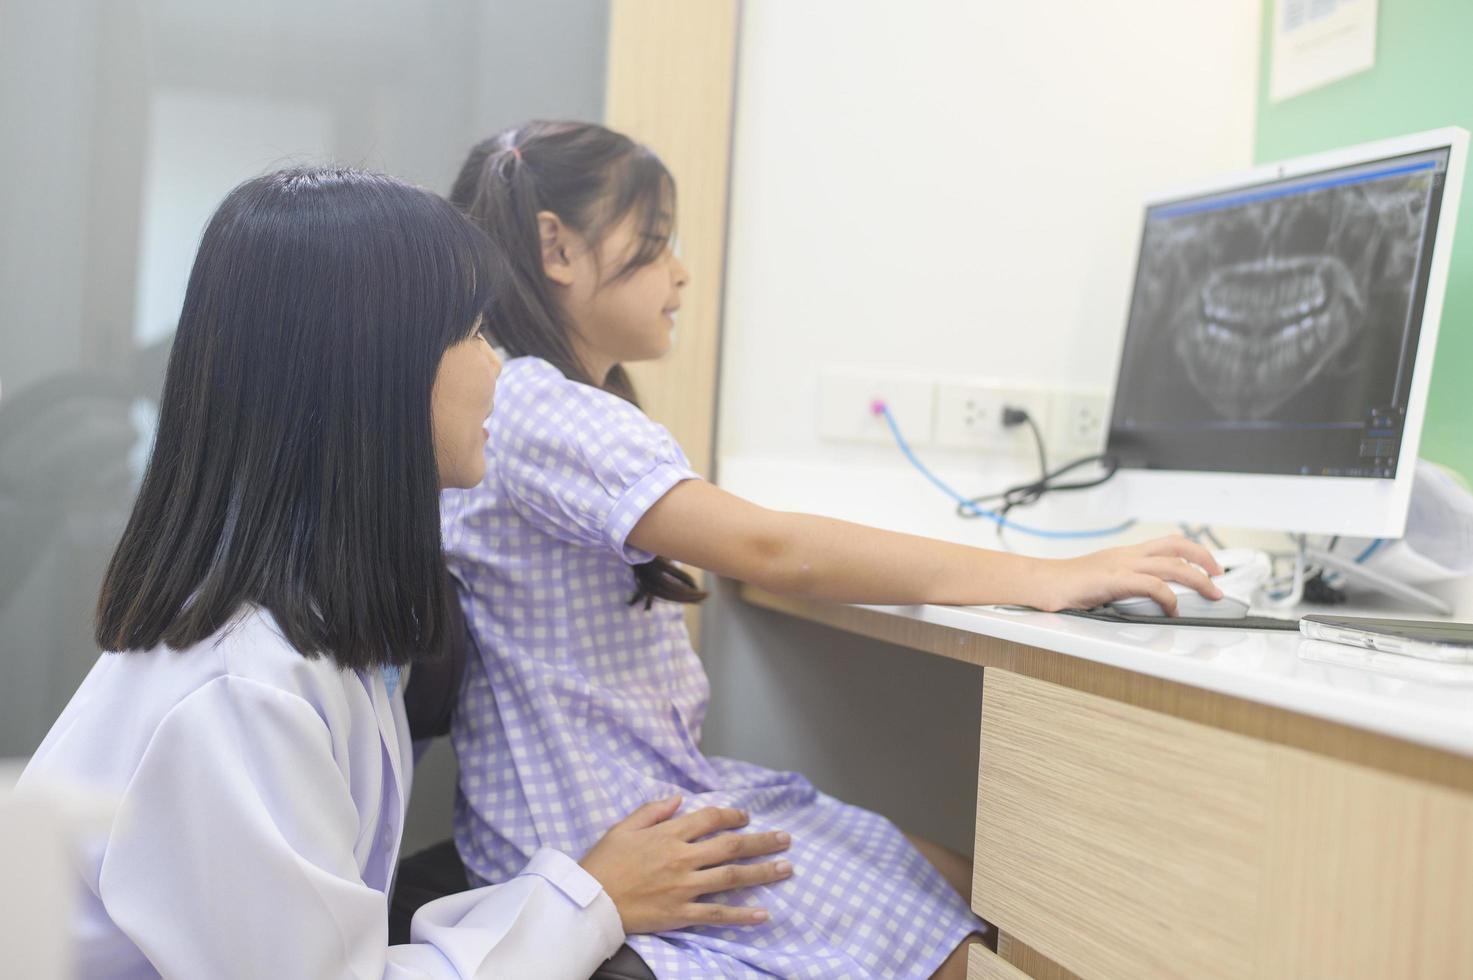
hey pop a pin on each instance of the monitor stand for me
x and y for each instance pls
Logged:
(1306, 554)
(1368, 578)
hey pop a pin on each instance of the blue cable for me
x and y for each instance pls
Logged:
(1370, 550)
(882, 409)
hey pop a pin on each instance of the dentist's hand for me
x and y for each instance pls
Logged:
(654, 868)
(1118, 573)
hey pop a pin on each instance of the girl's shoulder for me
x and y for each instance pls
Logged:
(548, 433)
(534, 397)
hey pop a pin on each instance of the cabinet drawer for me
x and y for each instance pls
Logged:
(1122, 842)
(984, 964)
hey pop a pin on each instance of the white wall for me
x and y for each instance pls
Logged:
(952, 187)
(943, 188)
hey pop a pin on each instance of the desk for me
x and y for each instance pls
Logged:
(1182, 802)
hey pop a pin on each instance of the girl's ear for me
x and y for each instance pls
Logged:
(557, 248)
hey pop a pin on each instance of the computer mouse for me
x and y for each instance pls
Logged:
(1244, 570)
(1189, 603)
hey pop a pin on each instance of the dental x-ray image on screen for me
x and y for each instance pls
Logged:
(1273, 328)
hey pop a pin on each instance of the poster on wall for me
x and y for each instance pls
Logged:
(1316, 42)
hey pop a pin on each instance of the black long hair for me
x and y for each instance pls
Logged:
(591, 178)
(294, 465)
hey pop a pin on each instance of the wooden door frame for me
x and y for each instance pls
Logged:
(671, 85)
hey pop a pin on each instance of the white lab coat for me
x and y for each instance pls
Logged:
(262, 801)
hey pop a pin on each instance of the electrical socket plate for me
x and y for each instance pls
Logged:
(969, 416)
(846, 406)
(1082, 419)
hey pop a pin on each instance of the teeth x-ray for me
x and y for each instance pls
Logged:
(1293, 308)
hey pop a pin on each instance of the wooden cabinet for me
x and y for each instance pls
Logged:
(1117, 841)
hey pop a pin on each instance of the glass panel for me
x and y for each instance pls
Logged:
(126, 122)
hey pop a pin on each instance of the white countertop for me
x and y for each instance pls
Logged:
(1415, 700)
(1419, 701)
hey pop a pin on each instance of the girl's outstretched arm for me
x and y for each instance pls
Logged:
(803, 554)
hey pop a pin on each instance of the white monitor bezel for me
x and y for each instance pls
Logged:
(1362, 507)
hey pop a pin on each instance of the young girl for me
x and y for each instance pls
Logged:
(281, 567)
(589, 699)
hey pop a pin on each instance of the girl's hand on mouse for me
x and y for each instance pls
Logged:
(1119, 573)
(654, 868)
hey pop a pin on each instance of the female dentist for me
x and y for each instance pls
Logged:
(280, 575)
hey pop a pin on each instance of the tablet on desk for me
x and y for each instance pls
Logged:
(1445, 642)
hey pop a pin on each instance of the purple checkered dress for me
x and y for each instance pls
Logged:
(585, 707)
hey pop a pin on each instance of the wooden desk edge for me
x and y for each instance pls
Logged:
(1326, 738)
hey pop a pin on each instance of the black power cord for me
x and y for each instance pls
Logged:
(1012, 417)
(1030, 493)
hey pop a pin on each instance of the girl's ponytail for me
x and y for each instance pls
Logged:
(495, 190)
(590, 177)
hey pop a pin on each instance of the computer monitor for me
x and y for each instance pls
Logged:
(1279, 344)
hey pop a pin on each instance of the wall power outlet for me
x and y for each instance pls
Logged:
(969, 415)
(846, 405)
(1081, 422)
(960, 413)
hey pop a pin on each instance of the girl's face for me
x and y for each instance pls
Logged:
(460, 401)
(619, 318)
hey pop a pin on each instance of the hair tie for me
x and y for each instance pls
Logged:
(516, 151)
